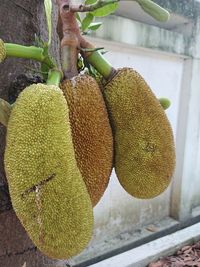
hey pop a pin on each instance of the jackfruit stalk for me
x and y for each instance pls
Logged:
(47, 191)
(91, 132)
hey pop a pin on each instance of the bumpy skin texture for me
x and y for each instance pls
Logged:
(2, 51)
(47, 191)
(91, 132)
(143, 139)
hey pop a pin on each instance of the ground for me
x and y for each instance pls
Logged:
(185, 257)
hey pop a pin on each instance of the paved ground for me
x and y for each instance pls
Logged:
(187, 256)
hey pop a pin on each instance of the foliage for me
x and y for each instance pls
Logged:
(48, 11)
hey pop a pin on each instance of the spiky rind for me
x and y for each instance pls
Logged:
(46, 188)
(91, 132)
(144, 145)
(2, 51)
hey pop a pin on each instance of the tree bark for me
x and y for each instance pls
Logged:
(20, 21)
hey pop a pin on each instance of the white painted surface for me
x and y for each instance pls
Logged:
(152, 251)
(186, 187)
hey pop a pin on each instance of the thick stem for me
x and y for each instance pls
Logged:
(97, 60)
(70, 41)
(101, 64)
(29, 52)
(154, 10)
(68, 61)
(54, 77)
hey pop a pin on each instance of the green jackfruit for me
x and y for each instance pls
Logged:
(2, 51)
(91, 132)
(47, 191)
(143, 139)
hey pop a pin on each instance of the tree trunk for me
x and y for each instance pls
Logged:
(20, 21)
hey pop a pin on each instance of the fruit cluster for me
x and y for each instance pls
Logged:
(64, 136)
(63, 139)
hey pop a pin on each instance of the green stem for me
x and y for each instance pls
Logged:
(29, 52)
(151, 8)
(101, 64)
(107, 71)
(54, 77)
(154, 10)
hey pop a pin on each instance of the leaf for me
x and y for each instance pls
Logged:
(94, 26)
(5, 110)
(78, 17)
(90, 2)
(86, 21)
(48, 10)
(154, 10)
(106, 10)
(91, 49)
(44, 68)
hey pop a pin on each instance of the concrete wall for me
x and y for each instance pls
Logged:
(169, 61)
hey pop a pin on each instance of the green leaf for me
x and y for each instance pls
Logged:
(5, 110)
(86, 21)
(48, 10)
(92, 49)
(94, 26)
(154, 10)
(106, 10)
(90, 2)
(44, 68)
(78, 17)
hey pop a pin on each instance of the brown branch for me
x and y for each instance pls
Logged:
(72, 40)
(69, 31)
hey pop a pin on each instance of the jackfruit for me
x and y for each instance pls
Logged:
(2, 51)
(47, 191)
(91, 133)
(143, 139)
